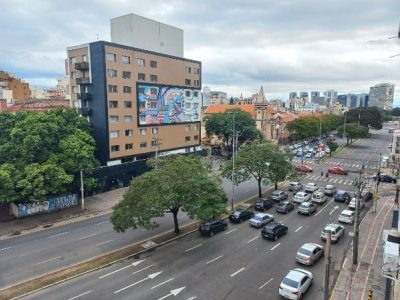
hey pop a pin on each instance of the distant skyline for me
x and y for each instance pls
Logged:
(288, 45)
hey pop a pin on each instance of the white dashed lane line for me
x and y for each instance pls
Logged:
(253, 239)
(194, 247)
(210, 261)
(265, 284)
(230, 231)
(237, 272)
(276, 246)
(298, 229)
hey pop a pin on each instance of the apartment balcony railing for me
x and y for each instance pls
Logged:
(85, 111)
(83, 80)
(82, 66)
(85, 96)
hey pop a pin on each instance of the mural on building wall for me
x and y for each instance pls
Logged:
(52, 204)
(167, 105)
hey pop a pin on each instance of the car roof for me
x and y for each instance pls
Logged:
(311, 183)
(310, 246)
(283, 203)
(318, 193)
(296, 275)
(329, 186)
(294, 182)
(341, 192)
(305, 203)
(348, 212)
(332, 226)
(262, 215)
(272, 224)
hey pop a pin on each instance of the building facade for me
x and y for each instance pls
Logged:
(139, 102)
(20, 89)
(331, 95)
(381, 95)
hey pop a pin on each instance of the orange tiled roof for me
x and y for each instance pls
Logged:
(288, 117)
(220, 108)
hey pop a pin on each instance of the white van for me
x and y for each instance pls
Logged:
(319, 197)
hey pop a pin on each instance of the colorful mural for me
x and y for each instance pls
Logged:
(167, 105)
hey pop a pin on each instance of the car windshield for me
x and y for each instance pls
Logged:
(258, 218)
(300, 194)
(276, 193)
(290, 282)
(305, 252)
(236, 213)
(339, 195)
(304, 205)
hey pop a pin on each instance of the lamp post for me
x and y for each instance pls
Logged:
(233, 157)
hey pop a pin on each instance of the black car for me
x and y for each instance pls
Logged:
(264, 203)
(342, 196)
(367, 196)
(284, 207)
(386, 178)
(274, 230)
(240, 214)
(211, 227)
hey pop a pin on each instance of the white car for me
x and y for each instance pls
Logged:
(301, 197)
(319, 198)
(295, 284)
(329, 190)
(347, 216)
(309, 254)
(261, 219)
(336, 232)
(352, 204)
(311, 187)
(327, 150)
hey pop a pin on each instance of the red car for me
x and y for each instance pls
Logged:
(304, 169)
(337, 170)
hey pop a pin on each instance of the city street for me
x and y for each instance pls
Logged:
(237, 263)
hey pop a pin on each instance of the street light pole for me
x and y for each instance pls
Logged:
(82, 192)
(320, 128)
(355, 233)
(233, 160)
(327, 264)
(344, 126)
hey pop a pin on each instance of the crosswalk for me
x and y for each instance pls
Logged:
(332, 180)
(337, 163)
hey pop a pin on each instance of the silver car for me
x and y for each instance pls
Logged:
(319, 198)
(261, 219)
(329, 190)
(336, 232)
(309, 254)
(311, 187)
(307, 208)
(301, 197)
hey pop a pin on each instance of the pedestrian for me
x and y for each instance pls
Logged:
(327, 175)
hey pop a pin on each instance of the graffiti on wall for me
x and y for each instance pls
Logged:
(167, 105)
(52, 204)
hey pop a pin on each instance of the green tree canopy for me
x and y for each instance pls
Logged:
(368, 116)
(396, 112)
(332, 146)
(306, 127)
(353, 131)
(178, 183)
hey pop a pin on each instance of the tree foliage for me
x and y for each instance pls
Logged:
(265, 162)
(43, 154)
(221, 125)
(332, 146)
(178, 183)
(353, 131)
(367, 116)
(395, 112)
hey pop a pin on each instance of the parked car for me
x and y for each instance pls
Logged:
(284, 207)
(329, 190)
(309, 254)
(352, 204)
(240, 214)
(211, 227)
(279, 195)
(386, 178)
(311, 187)
(295, 284)
(308, 155)
(303, 169)
(261, 219)
(274, 230)
(299, 153)
(307, 208)
(301, 197)
(295, 186)
(264, 203)
(319, 197)
(336, 232)
(327, 150)
(347, 216)
(342, 196)
(367, 196)
(337, 170)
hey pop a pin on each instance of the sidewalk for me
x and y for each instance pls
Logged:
(355, 281)
(96, 205)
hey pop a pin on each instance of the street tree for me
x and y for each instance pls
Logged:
(178, 183)
(366, 116)
(280, 168)
(353, 131)
(312, 126)
(332, 146)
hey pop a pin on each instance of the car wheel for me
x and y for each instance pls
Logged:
(287, 211)
(212, 233)
(276, 237)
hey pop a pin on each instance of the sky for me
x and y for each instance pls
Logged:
(285, 45)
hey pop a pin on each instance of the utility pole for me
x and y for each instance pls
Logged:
(344, 126)
(355, 233)
(327, 264)
(82, 192)
(233, 160)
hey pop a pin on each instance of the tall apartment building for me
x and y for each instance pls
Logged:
(139, 102)
(331, 95)
(381, 96)
(20, 89)
(315, 94)
(292, 95)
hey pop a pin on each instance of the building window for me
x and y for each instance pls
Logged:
(128, 119)
(128, 147)
(187, 93)
(188, 82)
(196, 71)
(128, 132)
(113, 104)
(196, 127)
(141, 76)
(126, 59)
(188, 105)
(140, 62)
(126, 74)
(153, 64)
(114, 119)
(187, 128)
(127, 90)
(153, 91)
(143, 144)
(187, 138)
(196, 94)
(84, 58)
(73, 60)
(196, 82)
(75, 89)
(153, 78)
(196, 137)
(111, 73)
(114, 134)
(154, 130)
(188, 70)
(142, 131)
(115, 148)
(127, 104)
(112, 89)
(111, 57)
(73, 75)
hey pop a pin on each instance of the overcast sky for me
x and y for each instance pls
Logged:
(284, 45)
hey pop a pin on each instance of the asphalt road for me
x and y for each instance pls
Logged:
(236, 264)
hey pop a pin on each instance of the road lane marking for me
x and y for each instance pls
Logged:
(160, 284)
(335, 208)
(48, 260)
(194, 247)
(102, 243)
(192, 298)
(150, 276)
(88, 236)
(335, 180)
(80, 295)
(56, 235)
(210, 261)
(298, 229)
(275, 246)
(230, 231)
(265, 284)
(103, 222)
(142, 269)
(237, 272)
(322, 209)
(253, 239)
(340, 181)
(5, 249)
(123, 268)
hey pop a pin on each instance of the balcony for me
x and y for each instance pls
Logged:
(85, 111)
(82, 66)
(85, 96)
(84, 80)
